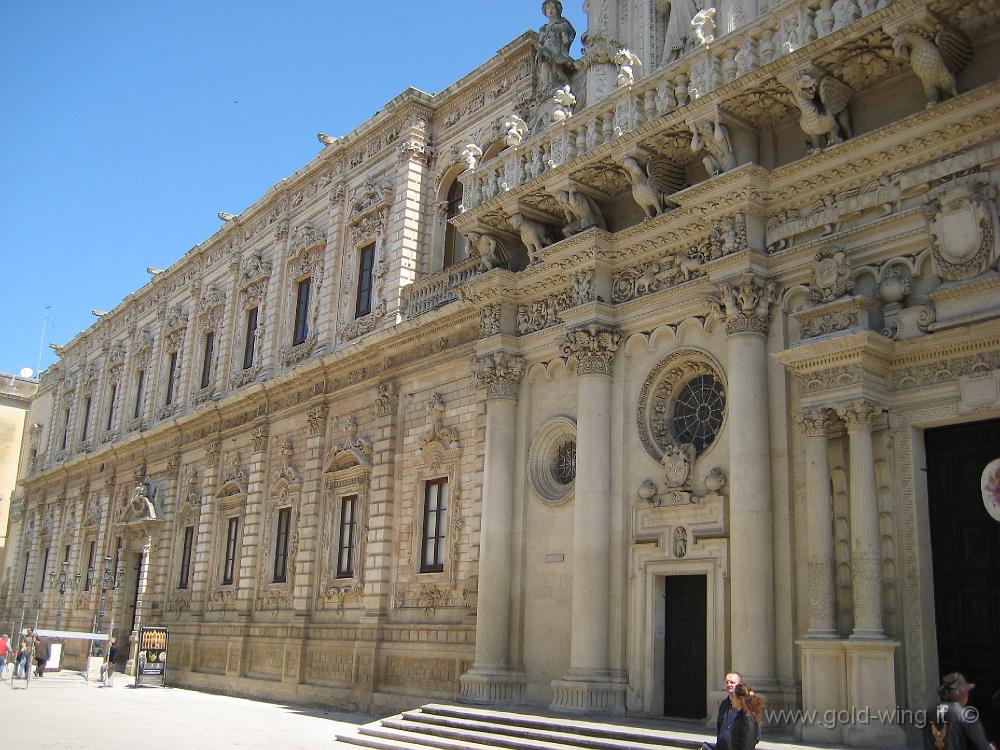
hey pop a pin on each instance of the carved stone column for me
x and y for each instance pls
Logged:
(819, 525)
(866, 575)
(200, 579)
(253, 515)
(492, 679)
(307, 560)
(744, 306)
(590, 687)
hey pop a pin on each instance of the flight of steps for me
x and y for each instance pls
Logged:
(466, 728)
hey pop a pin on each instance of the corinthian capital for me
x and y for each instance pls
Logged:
(815, 423)
(745, 306)
(594, 346)
(860, 415)
(499, 373)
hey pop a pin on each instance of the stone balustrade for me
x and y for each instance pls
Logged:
(438, 288)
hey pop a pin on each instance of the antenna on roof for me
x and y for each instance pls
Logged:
(41, 342)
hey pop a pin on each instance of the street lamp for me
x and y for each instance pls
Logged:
(108, 582)
(65, 581)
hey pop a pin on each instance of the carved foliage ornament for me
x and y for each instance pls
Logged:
(594, 347)
(499, 373)
(745, 306)
(962, 217)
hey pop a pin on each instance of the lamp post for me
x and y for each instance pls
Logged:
(108, 582)
(65, 581)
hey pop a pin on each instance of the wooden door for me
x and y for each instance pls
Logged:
(685, 669)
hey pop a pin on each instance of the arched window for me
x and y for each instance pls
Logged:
(454, 242)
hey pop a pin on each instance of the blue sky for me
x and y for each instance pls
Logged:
(126, 126)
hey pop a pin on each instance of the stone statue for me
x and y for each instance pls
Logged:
(517, 130)
(552, 49)
(534, 235)
(714, 140)
(471, 154)
(627, 61)
(935, 61)
(580, 210)
(703, 24)
(823, 106)
(492, 253)
(679, 33)
(650, 196)
(564, 101)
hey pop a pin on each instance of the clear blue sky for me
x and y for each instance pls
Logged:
(126, 125)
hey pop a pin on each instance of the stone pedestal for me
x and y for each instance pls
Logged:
(824, 689)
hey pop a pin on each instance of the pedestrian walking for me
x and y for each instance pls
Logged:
(108, 667)
(21, 664)
(42, 650)
(4, 652)
(953, 726)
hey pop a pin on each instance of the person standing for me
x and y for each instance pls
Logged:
(746, 727)
(21, 664)
(953, 726)
(41, 655)
(727, 715)
(4, 651)
(108, 667)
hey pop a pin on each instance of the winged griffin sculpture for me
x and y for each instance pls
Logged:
(937, 53)
(822, 101)
(650, 186)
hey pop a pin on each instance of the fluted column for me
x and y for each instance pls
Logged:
(744, 306)
(491, 679)
(589, 686)
(866, 575)
(819, 526)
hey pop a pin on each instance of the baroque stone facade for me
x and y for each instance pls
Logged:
(374, 471)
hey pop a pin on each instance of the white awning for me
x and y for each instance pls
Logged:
(69, 634)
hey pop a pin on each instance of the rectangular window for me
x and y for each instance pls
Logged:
(66, 554)
(140, 384)
(65, 429)
(229, 565)
(186, 557)
(86, 418)
(24, 573)
(366, 263)
(345, 547)
(435, 525)
(281, 545)
(111, 406)
(251, 339)
(206, 362)
(45, 568)
(118, 555)
(89, 576)
(171, 374)
(302, 312)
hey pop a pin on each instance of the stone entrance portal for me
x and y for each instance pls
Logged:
(685, 670)
(965, 544)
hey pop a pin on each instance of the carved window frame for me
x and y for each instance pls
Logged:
(88, 390)
(346, 474)
(173, 343)
(229, 503)
(368, 222)
(188, 514)
(213, 307)
(251, 293)
(111, 414)
(448, 178)
(673, 372)
(277, 595)
(307, 261)
(435, 461)
(141, 360)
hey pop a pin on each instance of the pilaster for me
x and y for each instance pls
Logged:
(252, 519)
(203, 540)
(381, 502)
(819, 523)
(307, 562)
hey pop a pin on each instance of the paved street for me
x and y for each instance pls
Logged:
(62, 711)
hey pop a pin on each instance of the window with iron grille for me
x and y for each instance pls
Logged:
(281, 546)
(435, 525)
(345, 546)
(229, 563)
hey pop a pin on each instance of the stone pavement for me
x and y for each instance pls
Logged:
(62, 711)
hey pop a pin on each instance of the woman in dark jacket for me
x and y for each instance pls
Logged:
(746, 728)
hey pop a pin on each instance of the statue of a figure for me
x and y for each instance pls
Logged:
(679, 32)
(552, 49)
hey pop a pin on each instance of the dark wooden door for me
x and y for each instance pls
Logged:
(965, 546)
(685, 670)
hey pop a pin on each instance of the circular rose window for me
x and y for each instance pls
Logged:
(552, 460)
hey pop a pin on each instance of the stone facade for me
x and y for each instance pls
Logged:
(711, 304)
(15, 400)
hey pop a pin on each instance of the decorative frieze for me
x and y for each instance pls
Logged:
(489, 321)
(544, 313)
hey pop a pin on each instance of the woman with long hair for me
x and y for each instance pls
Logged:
(746, 728)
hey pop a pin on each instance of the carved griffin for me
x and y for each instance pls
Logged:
(534, 235)
(648, 191)
(822, 101)
(936, 57)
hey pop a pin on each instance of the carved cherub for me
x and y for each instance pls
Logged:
(517, 130)
(823, 106)
(534, 235)
(471, 155)
(703, 24)
(627, 61)
(936, 60)
(565, 101)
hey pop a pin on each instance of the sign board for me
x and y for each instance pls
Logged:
(151, 656)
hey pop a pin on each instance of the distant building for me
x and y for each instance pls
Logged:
(576, 384)
(15, 400)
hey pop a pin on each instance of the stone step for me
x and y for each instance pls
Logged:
(380, 743)
(421, 737)
(561, 736)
